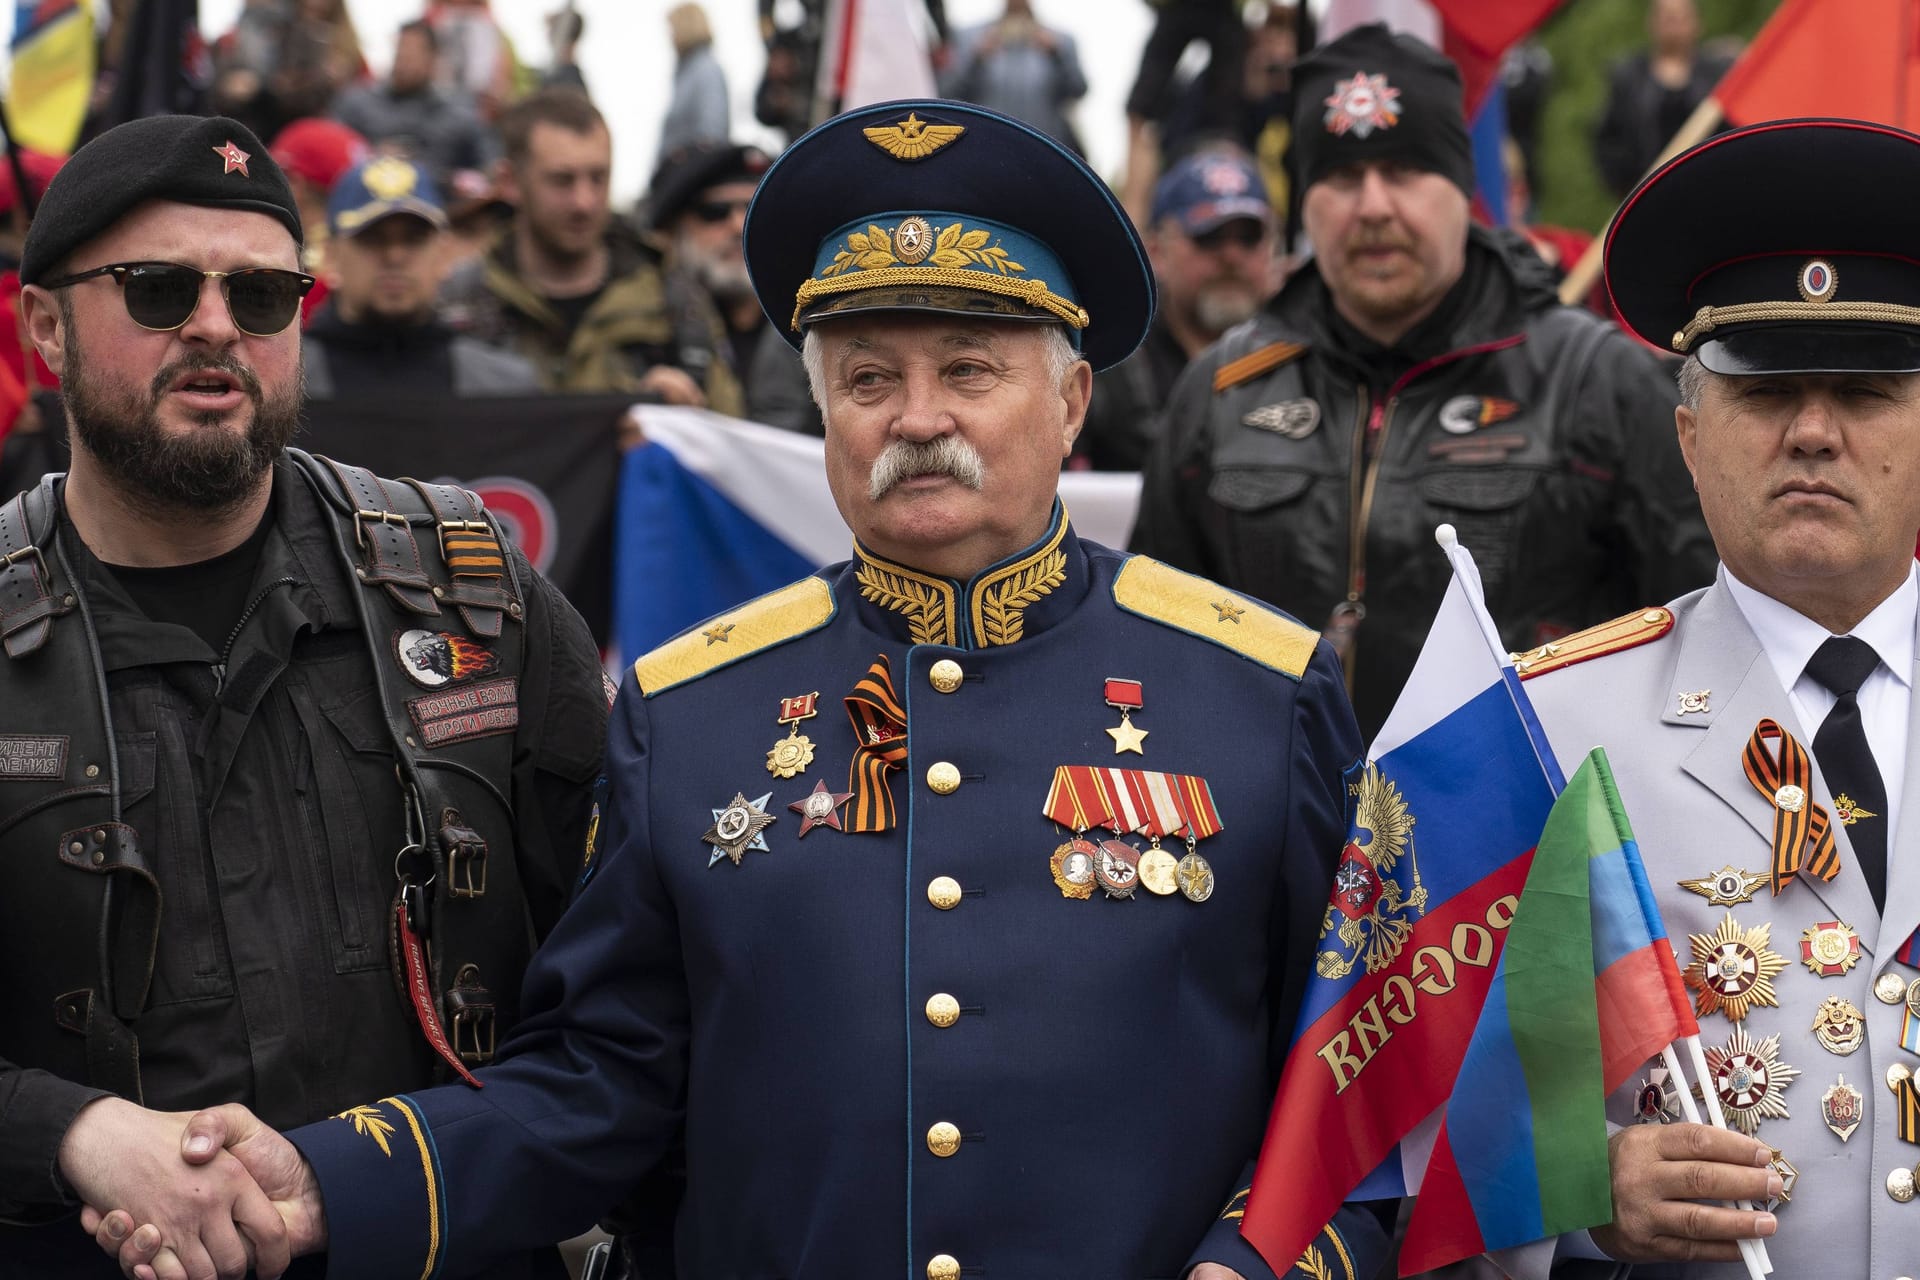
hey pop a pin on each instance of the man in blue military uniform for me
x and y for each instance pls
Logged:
(954, 904)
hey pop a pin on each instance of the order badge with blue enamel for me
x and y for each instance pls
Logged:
(738, 827)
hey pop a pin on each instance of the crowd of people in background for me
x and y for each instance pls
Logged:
(509, 240)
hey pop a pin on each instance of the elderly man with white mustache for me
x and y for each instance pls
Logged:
(953, 906)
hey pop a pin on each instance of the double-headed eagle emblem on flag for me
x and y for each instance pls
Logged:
(1374, 909)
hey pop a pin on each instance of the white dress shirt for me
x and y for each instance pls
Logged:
(1789, 640)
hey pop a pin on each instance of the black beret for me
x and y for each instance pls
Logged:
(208, 160)
(682, 176)
(1374, 94)
(1785, 247)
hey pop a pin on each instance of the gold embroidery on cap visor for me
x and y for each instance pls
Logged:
(960, 258)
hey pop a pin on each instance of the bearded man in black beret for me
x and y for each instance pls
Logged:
(213, 744)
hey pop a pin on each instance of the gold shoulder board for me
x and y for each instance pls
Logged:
(1184, 602)
(1623, 632)
(1254, 363)
(722, 640)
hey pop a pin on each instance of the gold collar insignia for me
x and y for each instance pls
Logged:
(996, 602)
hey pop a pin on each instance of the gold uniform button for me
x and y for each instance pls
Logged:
(945, 676)
(1889, 989)
(944, 892)
(943, 778)
(944, 1139)
(943, 1266)
(942, 1010)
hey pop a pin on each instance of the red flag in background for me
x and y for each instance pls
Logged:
(1855, 58)
(1476, 35)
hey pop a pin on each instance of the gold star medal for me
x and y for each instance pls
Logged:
(1838, 1025)
(1829, 948)
(792, 754)
(1749, 1079)
(1727, 887)
(737, 827)
(1733, 969)
(1124, 696)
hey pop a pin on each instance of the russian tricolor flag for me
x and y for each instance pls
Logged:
(1443, 823)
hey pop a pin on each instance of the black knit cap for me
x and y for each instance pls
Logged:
(1375, 95)
(207, 160)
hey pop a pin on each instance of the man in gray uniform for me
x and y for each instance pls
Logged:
(1761, 729)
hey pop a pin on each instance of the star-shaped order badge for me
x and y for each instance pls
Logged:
(737, 827)
(1733, 969)
(1750, 1078)
(820, 807)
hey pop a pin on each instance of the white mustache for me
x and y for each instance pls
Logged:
(905, 459)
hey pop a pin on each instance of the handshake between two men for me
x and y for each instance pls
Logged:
(191, 1196)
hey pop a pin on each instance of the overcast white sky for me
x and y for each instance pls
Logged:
(628, 61)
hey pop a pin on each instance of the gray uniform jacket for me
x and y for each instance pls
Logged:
(1693, 812)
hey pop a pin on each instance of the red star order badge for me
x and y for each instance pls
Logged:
(820, 807)
(234, 157)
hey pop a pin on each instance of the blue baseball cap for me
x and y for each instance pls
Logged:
(936, 206)
(1210, 189)
(379, 189)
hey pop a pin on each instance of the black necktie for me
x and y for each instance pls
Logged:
(1842, 665)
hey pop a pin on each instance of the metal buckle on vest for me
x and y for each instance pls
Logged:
(378, 517)
(470, 1009)
(15, 557)
(466, 853)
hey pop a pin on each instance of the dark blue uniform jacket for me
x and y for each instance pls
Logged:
(1110, 1070)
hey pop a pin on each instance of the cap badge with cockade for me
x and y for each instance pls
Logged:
(234, 158)
(1817, 282)
(1361, 105)
(390, 178)
(913, 138)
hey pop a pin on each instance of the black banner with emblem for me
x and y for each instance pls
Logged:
(547, 465)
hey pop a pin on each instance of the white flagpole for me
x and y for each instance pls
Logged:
(1752, 1252)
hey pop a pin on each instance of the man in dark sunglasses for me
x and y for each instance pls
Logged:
(697, 206)
(223, 765)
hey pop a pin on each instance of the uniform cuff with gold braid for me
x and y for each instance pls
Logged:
(938, 250)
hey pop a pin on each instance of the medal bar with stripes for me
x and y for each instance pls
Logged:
(1077, 800)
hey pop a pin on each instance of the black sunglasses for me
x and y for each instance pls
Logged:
(164, 295)
(1242, 233)
(716, 210)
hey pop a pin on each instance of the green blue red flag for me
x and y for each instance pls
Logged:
(1586, 991)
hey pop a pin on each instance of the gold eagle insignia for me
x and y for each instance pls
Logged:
(913, 138)
(1374, 911)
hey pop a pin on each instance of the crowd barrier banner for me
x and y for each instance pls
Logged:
(714, 511)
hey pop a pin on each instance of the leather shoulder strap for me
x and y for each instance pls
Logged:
(27, 601)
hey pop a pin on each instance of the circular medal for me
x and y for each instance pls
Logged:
(1196, 878)
(1790, 798)
(790, 756)
(1117, 868)
(1913, 998)
(1073, 867)
(1159, 871)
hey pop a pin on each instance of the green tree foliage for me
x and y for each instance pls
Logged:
(1584, 37)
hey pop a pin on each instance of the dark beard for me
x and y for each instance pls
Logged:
(209, 471)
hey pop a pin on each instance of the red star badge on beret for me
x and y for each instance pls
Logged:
(235, 159)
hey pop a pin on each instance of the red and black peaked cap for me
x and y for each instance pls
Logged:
(1785, 247)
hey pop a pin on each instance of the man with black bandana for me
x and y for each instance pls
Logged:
(1422, 372)
(249, 847)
